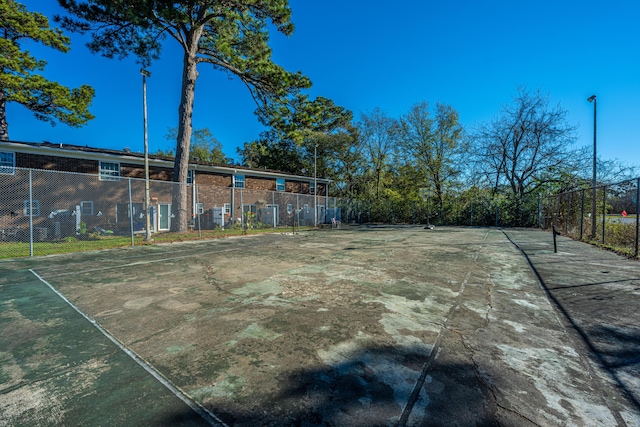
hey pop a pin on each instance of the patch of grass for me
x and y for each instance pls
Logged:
(71, 244)
(619, 237)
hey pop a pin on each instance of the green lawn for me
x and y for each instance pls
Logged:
(71, 244)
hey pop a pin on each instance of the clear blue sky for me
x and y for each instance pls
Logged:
(366, 54)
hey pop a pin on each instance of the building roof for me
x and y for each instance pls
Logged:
(128, 156)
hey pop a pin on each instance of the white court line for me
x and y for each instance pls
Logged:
(614, 267)
(136, 263)
(206, 415)
(435, 350)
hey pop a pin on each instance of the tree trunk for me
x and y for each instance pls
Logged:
(183, 142)
(4, 126)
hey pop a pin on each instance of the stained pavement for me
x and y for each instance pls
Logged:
(468, 326)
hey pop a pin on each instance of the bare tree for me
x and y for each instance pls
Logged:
(378, 138)
(526, 144)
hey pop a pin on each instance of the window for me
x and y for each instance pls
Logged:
(7, 163)
(190, 176)
(35, 208)
(227, 208)
(109, 171)
(312, 187)
(238, 181)
(280, 184)
(249, 208)
(86, 208)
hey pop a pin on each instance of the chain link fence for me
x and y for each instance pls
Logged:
(43, 211)
(462, 209)
(606, 215)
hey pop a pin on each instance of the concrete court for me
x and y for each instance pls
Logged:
(393, 326)
(597, 296)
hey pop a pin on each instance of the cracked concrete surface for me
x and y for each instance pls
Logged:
(525, 365)
(364, 326)
(528, 366)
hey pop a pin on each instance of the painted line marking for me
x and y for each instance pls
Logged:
(138, 263)
(435, 350)
(206, 415)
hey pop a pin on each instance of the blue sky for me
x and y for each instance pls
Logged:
(366, 54)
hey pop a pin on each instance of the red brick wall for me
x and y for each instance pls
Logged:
(137, 171)
(36, 161)
(128, 170)
(220, 180)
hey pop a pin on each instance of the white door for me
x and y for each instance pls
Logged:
(273, 210)
(165, 216)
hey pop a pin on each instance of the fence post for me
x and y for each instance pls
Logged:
(604, 209)
(131, 213)
(540, 210)
(195, 186)
(548, 211)
(273, 208)
(582, 215)
(637, 213)
(415, 211)
(558, 203)
(393, 213)
(566, 218)
(243, 229)
(30, 213)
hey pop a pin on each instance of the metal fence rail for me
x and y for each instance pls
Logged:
(616, 222)
(41, 208)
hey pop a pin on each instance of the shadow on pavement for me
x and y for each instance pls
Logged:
(604, 318)
(357, 392)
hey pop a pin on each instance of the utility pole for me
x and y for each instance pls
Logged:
(147, 200)
(592, 98)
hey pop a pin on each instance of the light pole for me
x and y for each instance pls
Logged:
(147, 235)
(315, 186)
(592, 98)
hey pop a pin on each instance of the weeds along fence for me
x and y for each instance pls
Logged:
(463, 209)
(41, 211)
(606, 215)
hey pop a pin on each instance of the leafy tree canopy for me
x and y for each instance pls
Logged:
(20, 78)
(298, 135)
(434, 145)
(204, 147)
(232, 36)
(301, 118)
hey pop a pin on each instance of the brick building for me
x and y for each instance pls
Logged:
(100, 183)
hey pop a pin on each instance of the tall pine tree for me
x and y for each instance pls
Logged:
(20, 80)
(231, 36)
